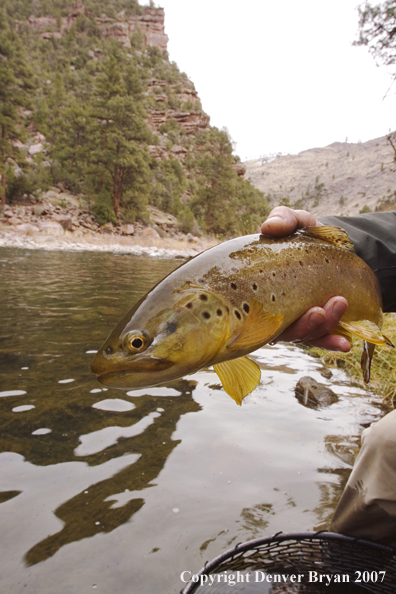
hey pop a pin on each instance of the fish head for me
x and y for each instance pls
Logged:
(160, 342)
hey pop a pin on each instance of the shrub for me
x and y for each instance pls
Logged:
(103, 211)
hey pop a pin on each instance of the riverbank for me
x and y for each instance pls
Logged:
(169, 248)
(62, 221)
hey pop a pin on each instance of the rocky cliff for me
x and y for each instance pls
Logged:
(184, 108)
(150, 23)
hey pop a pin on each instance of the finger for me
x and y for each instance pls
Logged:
(314, 326)
(282, 221)
(334, 310)
(331, 342)
(305, 326)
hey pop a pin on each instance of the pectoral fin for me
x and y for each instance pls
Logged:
(239, 377)
(367, 331)
(259, 327)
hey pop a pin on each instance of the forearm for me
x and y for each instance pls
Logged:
(374, 238)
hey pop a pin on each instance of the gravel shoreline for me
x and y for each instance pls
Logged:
(94, 244)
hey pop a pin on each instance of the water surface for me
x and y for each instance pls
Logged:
(111, 491)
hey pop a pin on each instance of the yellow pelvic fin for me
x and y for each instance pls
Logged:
(239, 377)
(365, 361)
(334, 235)
(341, 332)
(258, 327)
(366, 330)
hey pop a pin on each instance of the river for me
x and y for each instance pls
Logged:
(110, 491)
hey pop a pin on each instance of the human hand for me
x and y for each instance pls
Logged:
(313, 327)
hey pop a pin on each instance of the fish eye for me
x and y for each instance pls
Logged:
(135, 342)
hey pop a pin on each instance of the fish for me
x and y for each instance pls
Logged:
(234, 298)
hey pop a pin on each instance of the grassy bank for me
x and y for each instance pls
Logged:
(383, 368)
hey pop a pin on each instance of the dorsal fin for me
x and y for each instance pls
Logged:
(334, 235)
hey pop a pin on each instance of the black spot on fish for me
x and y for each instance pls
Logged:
(206, 315)
(273, 273)
(237, 314)
(189, 305)
(219, 312)
(327, 261)
(233, 286)
(109, 350)
(246, 307)
(254, 287)
(301, 263)
(203, 297)
(171, 327)
(201, 281)
(272, 297)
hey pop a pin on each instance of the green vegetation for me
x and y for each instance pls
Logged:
(383, 378)
(16, 88)
(365, 209)
(96, 104)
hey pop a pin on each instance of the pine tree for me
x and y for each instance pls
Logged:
(119, 161)
(217, 183)
(16, 80)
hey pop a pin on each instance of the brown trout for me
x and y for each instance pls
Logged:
(234, 298)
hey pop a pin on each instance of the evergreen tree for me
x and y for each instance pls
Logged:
(16, 80)
(217, 183)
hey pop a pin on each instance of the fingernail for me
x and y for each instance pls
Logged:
(315, 319)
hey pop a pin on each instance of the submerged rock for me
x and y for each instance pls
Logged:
(312, 394)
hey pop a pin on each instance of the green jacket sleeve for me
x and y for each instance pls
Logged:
(374, 238)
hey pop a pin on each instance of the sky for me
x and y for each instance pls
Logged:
(281, 75)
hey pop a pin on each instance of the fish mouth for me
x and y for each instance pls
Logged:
(138, 376)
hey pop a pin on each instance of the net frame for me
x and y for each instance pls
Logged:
(324, 552)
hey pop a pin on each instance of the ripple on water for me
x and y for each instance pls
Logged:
(115, 405)
(42, 431)
(23, 408)
(6, 393)
(97, 441)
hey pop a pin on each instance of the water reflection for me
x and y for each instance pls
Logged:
(126, 490)
(98, 509)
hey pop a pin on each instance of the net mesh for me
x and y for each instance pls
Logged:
(368, 566)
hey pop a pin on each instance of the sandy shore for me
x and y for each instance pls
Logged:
(165, 248)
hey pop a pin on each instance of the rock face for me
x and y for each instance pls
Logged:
(312, 394)
(151, 23)
(61, 213)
